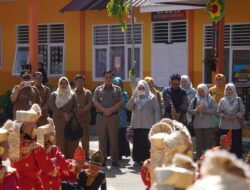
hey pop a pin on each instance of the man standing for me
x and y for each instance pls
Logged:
(84, 97)
(45, 95)
(108, 100)
(25, 94)
(175, 100)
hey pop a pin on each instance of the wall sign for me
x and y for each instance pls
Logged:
(168, 15)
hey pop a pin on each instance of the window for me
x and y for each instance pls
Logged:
(112, 50)
(169, 32)
(50, 48)
(237, 36)
(1, 47)
(22, 49)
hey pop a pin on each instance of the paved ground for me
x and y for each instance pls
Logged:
(126, 177)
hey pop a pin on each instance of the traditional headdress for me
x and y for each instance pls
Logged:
(44, 130)
(179, 175)
(226, 139)
(3, 135)
(3, 138)
(96, 158)
(31, 115)
(79, 154)
(221, 170)
(13, 127)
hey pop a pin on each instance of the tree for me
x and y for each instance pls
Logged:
(120, 9)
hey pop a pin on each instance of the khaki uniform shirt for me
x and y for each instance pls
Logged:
(27, 96)
(108, 96)
(45, 95)
(84, 97)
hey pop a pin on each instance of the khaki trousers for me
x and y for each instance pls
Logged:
(108, 129)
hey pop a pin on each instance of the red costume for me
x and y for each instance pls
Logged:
(8, 178)
(62, 165)
(79, 157)
(145, 173)
(33, 160)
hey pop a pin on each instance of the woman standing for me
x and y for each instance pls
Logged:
(186, 84)
(63, 103)
(203, 107)
(124, 149)
(231, 109)
(154, 91)
(145, 112)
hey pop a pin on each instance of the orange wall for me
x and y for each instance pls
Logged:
(14, 13)
(236, 11)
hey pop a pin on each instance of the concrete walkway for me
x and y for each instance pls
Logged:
(125, 177)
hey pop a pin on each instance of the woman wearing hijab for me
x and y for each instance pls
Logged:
(217, 91)
(203, 107)
(63, 103)
(186, 84)
(154, 91)
(124, 149)
(231, 109)
(145, 112)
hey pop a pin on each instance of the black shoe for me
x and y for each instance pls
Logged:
(115, 164)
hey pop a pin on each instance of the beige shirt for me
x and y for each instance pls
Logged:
(44, 94)
(84, 97)
(108, 96)
(27, 96)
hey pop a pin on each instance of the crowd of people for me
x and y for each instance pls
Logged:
(52, 162)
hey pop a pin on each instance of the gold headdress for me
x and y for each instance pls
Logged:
(44, 130)
(13, 128)
(97, 158)
(31, 115)
(3, 135)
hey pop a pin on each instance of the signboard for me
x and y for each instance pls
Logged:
(215, 10)
(168, 15)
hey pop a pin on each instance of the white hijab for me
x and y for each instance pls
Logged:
(143, 99)
(63, 96)
(230, 101)
(207, 98)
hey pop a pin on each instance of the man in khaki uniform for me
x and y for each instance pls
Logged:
(45, 95)
(25, 94)
(84, 97)
(108, 100)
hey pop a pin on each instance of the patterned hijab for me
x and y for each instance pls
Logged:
(143, 99)
(63, 96)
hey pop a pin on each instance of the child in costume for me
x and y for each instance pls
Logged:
(29, 157)
(46, 136)
(89, 179)
(80, 164)
(8, 175)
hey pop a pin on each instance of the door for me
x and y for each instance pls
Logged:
(168, 59)
(160, 63)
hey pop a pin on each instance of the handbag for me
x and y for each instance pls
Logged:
(73, 133)
(190, 126)
(242, 119)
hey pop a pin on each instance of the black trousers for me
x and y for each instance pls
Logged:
(236, 141)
